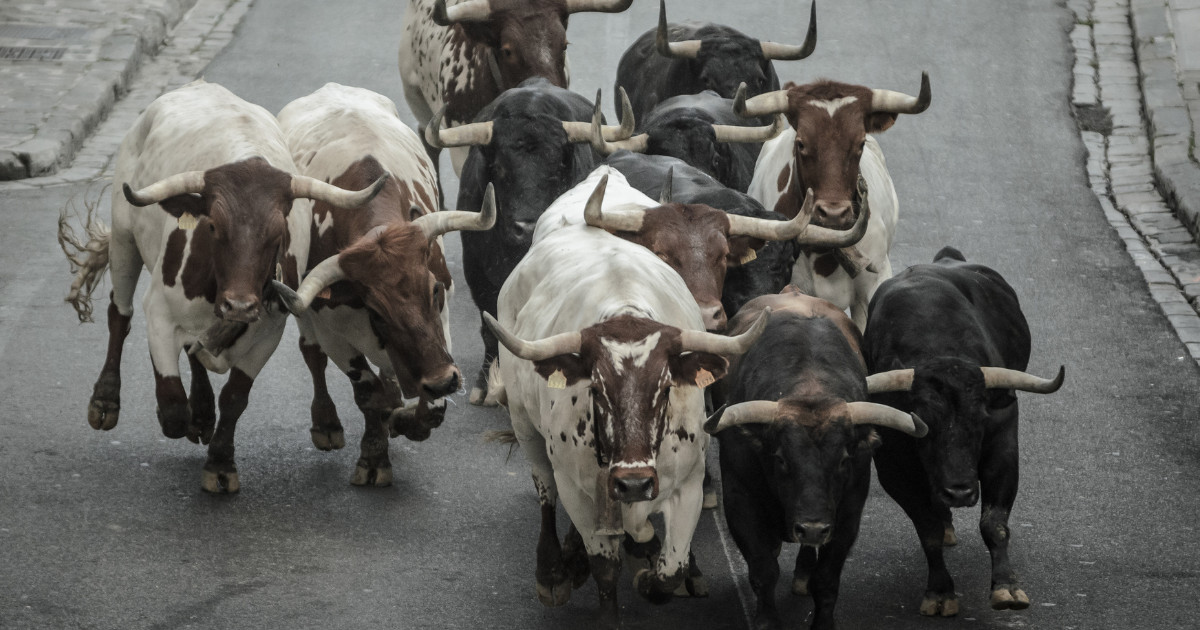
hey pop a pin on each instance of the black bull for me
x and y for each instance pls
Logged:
(948, 341)
(530, 162)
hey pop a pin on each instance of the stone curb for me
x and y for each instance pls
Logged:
(1177, 173)
(121, 55)
(1121, 166)
(196, 39)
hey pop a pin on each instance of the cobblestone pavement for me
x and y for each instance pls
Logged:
(61, 119)
(1134, 123)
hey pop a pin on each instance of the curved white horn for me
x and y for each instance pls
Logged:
(1003, 378)
(885, 416)
(700, 341)
(751, 412)
(327, 272)
(789, 52)
(736, 133)
(582, 131)
(901, 103)
(179, 184)
(767, 104)
(593, 215)
(309, 188)
(770, 230)
(687, 49)
(471, 134)
(601, 145)
(469, 11)
(562, 343)
(436, 224)
(817, 236)
(598, 6)
(890, 381)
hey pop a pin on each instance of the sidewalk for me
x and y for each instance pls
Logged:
(77, 73)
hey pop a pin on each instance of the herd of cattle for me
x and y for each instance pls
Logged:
(628, 285)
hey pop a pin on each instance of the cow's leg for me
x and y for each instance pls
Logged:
(552, 583)
(373, 466)
(220, 472)
(903, 477)
(999, 474)
(491, 350)
(124, 269)
(575, 557)
(203, 404)
(827, 575)
(675, 566)
(104, 409)
(174, 413)
(756, 539)
(806, 561)
(326, 432)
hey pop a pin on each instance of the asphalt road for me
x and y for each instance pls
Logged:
(111, 530)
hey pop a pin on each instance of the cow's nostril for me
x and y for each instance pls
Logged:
(812, 533)
(633, 488)
(960, 495)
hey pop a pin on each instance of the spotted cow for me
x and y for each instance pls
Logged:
(796, 441)
(232, 214)
(379, 286)
(830, 150)
(604, 359)
(461, 57)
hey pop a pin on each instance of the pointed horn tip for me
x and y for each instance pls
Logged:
(291, 300)
(491, 323)
(129, 195)
(488, 211)
(1058, 380)
(712, 424)
(920, 429)
(739, 99)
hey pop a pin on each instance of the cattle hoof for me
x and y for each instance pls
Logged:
(1009, 598)
(800, 586)
(710, 499)
(219, 482)
(939, 605)
(174, 420)
(693, 586)
(368, 476)
(556, 595)
(103, 414)
(200, 429)
(327, 439)
(652, 588)
(479, 398)
(950, 538)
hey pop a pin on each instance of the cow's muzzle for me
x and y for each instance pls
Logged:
(714, 317)
(246, 309)
(813, 533)
(443, 385)
(960, 494)
(633, 484)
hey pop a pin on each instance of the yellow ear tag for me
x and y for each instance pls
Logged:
(751, 255)
(187, 221)
(557, 380)
(704, 378)
(325, 293)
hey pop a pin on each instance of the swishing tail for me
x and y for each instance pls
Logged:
(88, 259)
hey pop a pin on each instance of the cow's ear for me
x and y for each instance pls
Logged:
(871, 440)
(481, 33)
(879, 122)
(563, 370)
(743, 249)
(697, 369)
(186, 203)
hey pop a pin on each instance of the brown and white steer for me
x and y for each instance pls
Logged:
(698, 241)
(379, 286)
(604, 358)
(830, 151)
(220, 171)
(463, 56)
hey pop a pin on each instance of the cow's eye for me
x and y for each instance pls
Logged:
(799, 144)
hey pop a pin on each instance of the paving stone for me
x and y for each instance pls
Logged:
(1178, 309)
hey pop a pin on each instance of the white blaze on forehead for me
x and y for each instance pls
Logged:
(649, 463)
(636, 351)
(834, 105)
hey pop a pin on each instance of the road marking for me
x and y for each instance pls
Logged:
(737, 567)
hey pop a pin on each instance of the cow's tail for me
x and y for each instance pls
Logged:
(503, 437)
(88, 258)
(951, 253)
